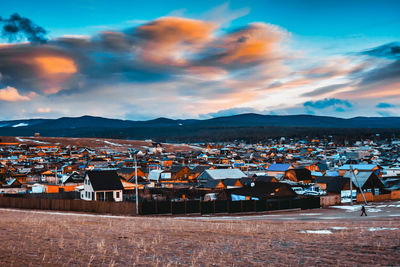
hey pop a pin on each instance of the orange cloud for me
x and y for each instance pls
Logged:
(208, 72)
(168, 40)
(43, 110)
(253, 43)
(11, 94)
(56, 65)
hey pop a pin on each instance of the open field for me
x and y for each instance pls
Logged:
(40, 238)
(96, 143)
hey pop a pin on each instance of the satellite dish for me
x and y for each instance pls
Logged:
(252, 184)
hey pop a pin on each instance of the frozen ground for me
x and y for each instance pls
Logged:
(321, 237)
(389, 209)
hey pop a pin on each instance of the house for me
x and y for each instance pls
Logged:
(367, 181)
(180, 173)
(278, 169)
(104, 185)
(391, 183)
(220, 174)
(197, 170)
(300, 175)
(264, 190)
(361, 168)
(264, 178)
(319, 167)
(74, 179)
(158, 175)
(333, 184)
(128, 173)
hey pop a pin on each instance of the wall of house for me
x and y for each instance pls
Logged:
(52, 189)
(87, 188)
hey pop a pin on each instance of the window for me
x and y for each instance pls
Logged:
(86, 194)
(117, 195)
(90, 195)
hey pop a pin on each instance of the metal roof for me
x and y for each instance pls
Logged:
(219, 174)
(279, 167)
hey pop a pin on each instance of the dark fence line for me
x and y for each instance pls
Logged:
(223, 206)
(159, 207)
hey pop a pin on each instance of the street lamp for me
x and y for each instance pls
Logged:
(134, 152)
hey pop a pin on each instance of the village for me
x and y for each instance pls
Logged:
(282, 169)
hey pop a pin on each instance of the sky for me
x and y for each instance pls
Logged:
(141, 60)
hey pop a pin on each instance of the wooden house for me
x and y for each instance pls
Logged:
(300, 175)
(278, 169)
(264, 190)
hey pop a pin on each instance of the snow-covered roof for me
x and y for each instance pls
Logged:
(154, 175)
(219, 174)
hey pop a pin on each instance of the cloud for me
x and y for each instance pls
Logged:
(254, 43)
(10, 94)
(186, 67)
(329, 102)
(385, 105)
(171, 40)
(390, 50)
(44, 110)
(325, 89)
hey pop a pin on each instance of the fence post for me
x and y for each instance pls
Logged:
(171, 206)
(156, 206)
(214, 205)
(241, 205)
(200, 207)
(185, 207)
(255, 205)
(228, 206)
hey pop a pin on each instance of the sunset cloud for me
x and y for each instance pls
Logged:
(172, 40)
(255, 42)
(189, 67)
(11, 94)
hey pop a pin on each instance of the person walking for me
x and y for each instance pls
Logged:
(363, 212)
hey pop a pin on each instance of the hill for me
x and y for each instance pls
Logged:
(243, 126)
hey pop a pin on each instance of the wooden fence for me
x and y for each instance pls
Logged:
(378, 198)
(330, 200)
(114, 208)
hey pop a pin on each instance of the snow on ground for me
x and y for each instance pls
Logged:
(348, 208)
(22, 124)
(111, 143)
(323, 232)
(30, 140)
(373, 210)
(339, 228)
(373, 229)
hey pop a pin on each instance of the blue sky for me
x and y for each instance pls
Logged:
(270, 57)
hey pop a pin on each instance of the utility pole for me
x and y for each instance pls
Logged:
(134, 152)
(351, 187)
(358, 184)
(136, 186)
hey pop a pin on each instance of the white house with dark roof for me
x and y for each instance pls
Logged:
(102, 185)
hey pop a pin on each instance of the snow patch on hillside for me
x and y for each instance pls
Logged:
(22, 124)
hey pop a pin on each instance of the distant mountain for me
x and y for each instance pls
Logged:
(237, 126)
